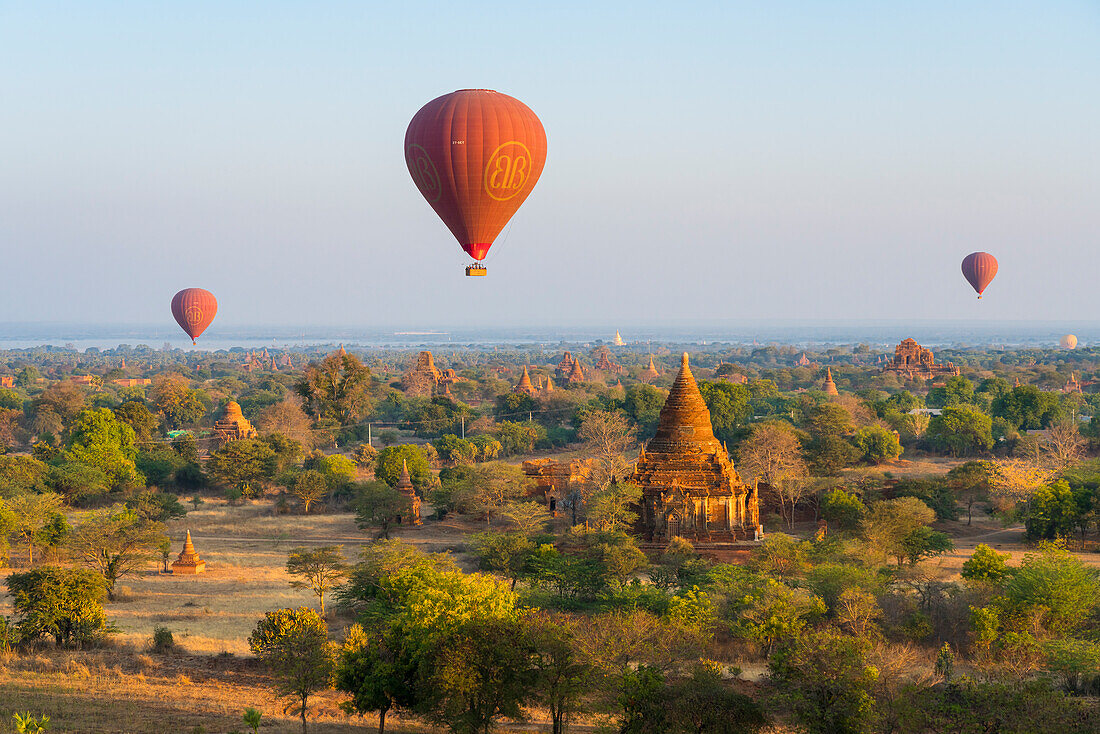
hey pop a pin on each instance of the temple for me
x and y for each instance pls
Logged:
(405, 487)
(650, 373)
(427, 379)
(564, 367)
(188, 561)
(524, 386)
(829, 387)
(618, 341)
(690, 488)
(914, 361)
(604, 363)
(234, 426)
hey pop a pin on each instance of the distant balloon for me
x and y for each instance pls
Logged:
(979, 269)
(194, 309)
(475, 155)
(1069, 341)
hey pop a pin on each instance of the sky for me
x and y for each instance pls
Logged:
(708, 161)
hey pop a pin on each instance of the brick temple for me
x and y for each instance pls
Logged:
(690, 488)
(911, 360)
(234, 426)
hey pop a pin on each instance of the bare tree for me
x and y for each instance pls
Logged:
(773, 455)
(319, 570)
(287, 418)
(1063, 447)
(607, 435)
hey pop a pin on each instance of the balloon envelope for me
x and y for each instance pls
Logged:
(1069, 341)
(194, 309)
(475, 155)
(979, 269)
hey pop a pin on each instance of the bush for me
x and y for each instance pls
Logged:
(163, 642)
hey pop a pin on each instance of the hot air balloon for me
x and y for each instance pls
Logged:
(1069, 341)
(194, 309)
(979, 268)
(475, 155)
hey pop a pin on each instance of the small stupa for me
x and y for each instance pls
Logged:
(524, 387)
(577, 373)
(549, 384)
(405, 487)
(829, 387)
(650, 372)
(188, 561)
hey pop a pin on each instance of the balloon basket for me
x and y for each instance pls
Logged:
(476, 270)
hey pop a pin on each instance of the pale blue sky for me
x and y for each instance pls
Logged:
(706, 161)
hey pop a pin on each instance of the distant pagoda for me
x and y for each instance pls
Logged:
(188, 562)
(234, 426)
(911, 360)
(650, 373)
(618, 341)
(524, 387)
(829, 387)
(689, 485)
(405, 487)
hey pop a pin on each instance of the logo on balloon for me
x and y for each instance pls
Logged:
(423, 172)
(508, 170)
(193, 314)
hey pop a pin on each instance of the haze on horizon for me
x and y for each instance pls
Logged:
(788, 160)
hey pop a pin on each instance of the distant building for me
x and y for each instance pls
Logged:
(829, 387)
(604, 363)
(618, 341)
(426, 379)
(132, 382)
(1073, 385)
(690, 488)
(650, 373)
(803, 361)
(7, 380)
(188, 561)
(524, 386)
(913, 361)
(405, 487)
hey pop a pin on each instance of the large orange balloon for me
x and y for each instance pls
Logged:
(194, 309)
(475, 155)
(979, 268)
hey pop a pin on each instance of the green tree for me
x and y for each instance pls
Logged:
(19, 474)
(176, 401)
(99, 440)
(924, 542)
(378, 671)
(115, 541)
(242, 463)
(843, 510)
(454, 450)
(391, 459)
(612, 508)
(491, 487)
(986, 564)
(507, 554)
(702, 703)
(956, 391)
(888, 523)
(32, 513)
(961, 430)
(318, 570)
(1026, 407)
(729, 407)
(293, 644)
(336, 391)
(1055, 510)
(562, 674)
(643, 404)
(309, 487)
(971, 483)
(1056, 582)
(377, 503)
(58, 602)
(826, 681)
(519, 438)
(876, 444)
(134, 414)
(77, 483)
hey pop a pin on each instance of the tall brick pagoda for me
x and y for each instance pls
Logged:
(689, 486)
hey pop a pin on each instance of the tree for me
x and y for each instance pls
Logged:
(294, 645)
(176, 401)
(519, 438)
(115, 541)
(242, 463)
(528, 517)
(318, 570)
(1063, 447)
(286, 418)
(611, 508)
(21, 474)
(479, 672)
(729, 407)
(971, 482)
(986, 564)
(134, 414)
(956, 391)
(156, 506)
(877, 444)
(562, 674)
(924, 542)
(336, 390)
(99, 440)
(1056, 582)
(364, 456)
(643, 404)
(493, 486)
(703, 704)
(62, 603)
(1054, 511)
(377, 503)
(309, 487)
(843, 510)
(31, 513)
(454, 450)
(1026, 407)
(391, 460)
(961, 430)
(773, 455)
(827, 681)
(1014, 481)
(379, 672)
(889, 522)
(506, 554)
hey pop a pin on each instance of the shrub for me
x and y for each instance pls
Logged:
(163, 641)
